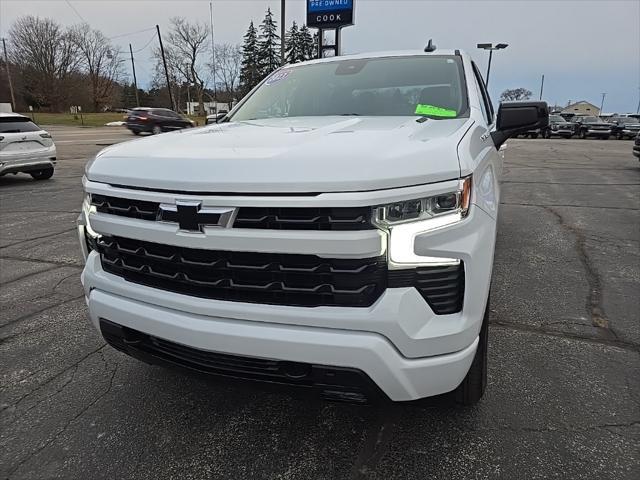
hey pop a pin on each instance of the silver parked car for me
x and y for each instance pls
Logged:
(25, 147)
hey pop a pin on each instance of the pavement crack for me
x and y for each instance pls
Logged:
(32, 314)
(539, 205)
(68, 423)
(541, 330)
(37, 260)
(594, 307)
(53, 378)
(30, 274)
(31, 239)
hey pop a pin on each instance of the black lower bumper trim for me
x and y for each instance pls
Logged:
(331, 383)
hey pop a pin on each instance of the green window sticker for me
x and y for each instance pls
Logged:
(422, 109)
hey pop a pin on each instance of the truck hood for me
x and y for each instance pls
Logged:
(302, 154)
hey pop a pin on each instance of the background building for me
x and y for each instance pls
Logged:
(581, 108)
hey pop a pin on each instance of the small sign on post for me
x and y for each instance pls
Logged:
(329, 13)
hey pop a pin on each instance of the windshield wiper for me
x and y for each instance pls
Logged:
(349, 114)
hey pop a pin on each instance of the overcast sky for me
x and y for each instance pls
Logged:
(583, 47)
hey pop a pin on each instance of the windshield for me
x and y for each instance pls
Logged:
(591, 120)
(556, 118)
(17, 125)
(626, 120)
(432, 86)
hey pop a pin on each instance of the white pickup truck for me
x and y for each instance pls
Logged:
(335, 232)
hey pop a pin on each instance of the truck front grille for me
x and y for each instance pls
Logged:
(272, 218)
(270, 278)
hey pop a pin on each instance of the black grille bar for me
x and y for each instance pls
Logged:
(271, 218)
(281, 279)
(357, 218)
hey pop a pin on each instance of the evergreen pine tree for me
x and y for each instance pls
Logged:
(250, 68)
(315, 45)
(268, 45)
(293, 52)
(307, 46)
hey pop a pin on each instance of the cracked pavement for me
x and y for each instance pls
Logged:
(563, 399)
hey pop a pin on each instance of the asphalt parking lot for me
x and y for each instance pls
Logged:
(563, 399)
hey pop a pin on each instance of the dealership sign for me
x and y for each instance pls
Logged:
(329, 13)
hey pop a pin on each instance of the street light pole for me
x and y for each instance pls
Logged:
(602, 103)
(491, 48)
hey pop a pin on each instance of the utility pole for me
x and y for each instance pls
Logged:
(541, 86)
(6, 64)
(135, 82)
(602, 103)
(282, 32)
(213, 61)
(166, 72)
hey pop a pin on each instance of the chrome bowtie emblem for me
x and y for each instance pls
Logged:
(192, 216)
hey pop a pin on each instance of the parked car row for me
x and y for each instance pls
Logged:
(588, 126)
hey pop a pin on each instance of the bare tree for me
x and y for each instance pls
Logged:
(46, 56)
(228, 63)
(101, 61)
(185, 52)
(515, 94)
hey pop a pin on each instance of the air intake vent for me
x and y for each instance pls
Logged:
(441, 287)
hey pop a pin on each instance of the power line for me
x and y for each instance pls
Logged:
(131, 33)
(146, 44)
(76, 11)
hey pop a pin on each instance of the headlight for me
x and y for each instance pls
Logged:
(87, 210)
(405, 220)
(426, 208)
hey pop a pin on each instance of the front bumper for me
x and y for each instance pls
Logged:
(629, 133)
(28, 162)
(561, 131)
(407, 350)
(400, 378)
(598, 133)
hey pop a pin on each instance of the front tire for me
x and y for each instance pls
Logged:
(156, 130)
(583, 134)
(534, 135)
(43, 174)
(470, 391)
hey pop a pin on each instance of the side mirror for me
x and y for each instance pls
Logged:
(519, 117)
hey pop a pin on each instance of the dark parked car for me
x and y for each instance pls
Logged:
(636, 146)
(625, 127)
(558, 126)
(156, 120)
(592, 126)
